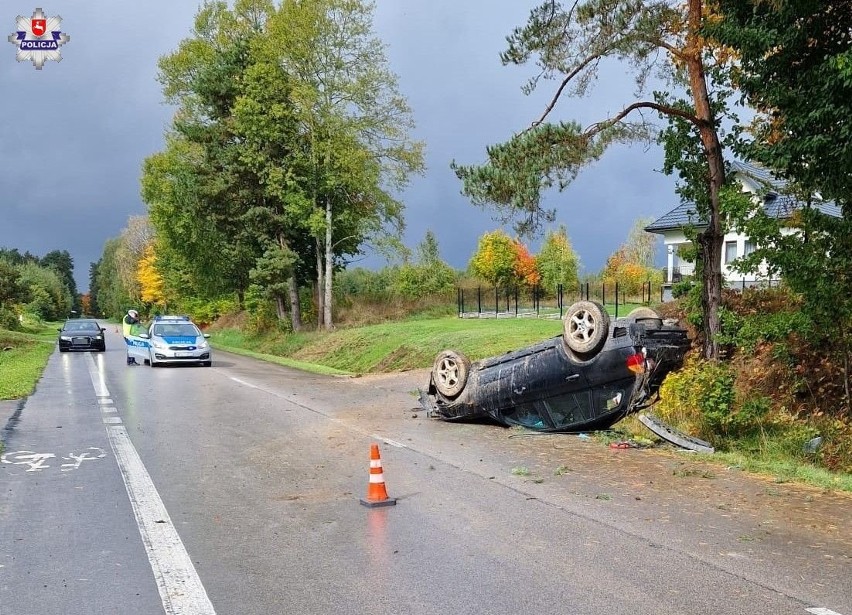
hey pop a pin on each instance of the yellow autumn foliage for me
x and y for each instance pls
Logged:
(150, 280)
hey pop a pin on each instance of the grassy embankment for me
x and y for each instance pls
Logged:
(389, 347)
(23, 356)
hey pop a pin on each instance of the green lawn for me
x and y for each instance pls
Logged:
(22, 359)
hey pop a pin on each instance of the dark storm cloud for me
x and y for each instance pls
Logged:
(446, 54)
(74, 134)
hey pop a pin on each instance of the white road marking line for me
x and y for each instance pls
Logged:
(337, 421)
(821, 611)
(112, 420)
(244, 383)
(108, 410)
(390, 442)
(105, 401)
(97, 378)
(180, 587)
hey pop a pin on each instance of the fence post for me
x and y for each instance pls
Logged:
(496, 301)
(458, 300)
(516, 301)
(479, 300)
(616, 299)
(462, 301)
(662, 288)
(559, 294)
(603, 292)
(508, 294)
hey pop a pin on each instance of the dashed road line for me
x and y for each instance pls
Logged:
(180, 587)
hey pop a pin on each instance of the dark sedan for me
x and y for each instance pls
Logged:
(81, 334)
(593, 375)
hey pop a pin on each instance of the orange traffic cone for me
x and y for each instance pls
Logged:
(377, 495)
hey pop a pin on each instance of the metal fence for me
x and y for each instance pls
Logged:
(515, 302)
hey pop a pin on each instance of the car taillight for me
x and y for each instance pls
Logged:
(636, 363)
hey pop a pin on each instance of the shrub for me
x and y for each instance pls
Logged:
(681, 289)
(263, 315)
(8, 319)
(699, 399)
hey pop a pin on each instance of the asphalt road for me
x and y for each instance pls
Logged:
(235, 490)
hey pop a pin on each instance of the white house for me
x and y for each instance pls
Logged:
(766, 189)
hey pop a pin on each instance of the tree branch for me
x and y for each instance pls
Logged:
(562, 86)
(597, 127)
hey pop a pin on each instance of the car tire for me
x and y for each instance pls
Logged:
(450, 372)
(585, 328)
(61, 349)
(647, 317)
(206, 363)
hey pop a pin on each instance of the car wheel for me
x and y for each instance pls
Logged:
(647, 317)
(61, 349)
(206, 363)
(450, 372)
(585, 327)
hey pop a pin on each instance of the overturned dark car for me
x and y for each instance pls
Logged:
(593, 375)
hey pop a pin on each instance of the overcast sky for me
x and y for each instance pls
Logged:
(74, 134)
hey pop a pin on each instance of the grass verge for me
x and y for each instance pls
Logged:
(393, 346)
(23, 358)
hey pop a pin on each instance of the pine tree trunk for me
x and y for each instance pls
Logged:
(710, 240)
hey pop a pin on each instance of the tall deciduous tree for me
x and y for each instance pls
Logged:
(795, 67)
(494, 260)
(150, 280)
(557, 262)
(568, 44)
(526, 269)
(11, 290)
(353, 120)
(201, 187)
(62, 263)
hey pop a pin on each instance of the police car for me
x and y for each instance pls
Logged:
(173, 339)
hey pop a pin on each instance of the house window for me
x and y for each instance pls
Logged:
(730, 252)
(749, 247)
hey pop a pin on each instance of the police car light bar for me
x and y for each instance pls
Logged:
(171, 318)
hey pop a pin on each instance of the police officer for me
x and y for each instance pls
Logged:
(130, 321)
